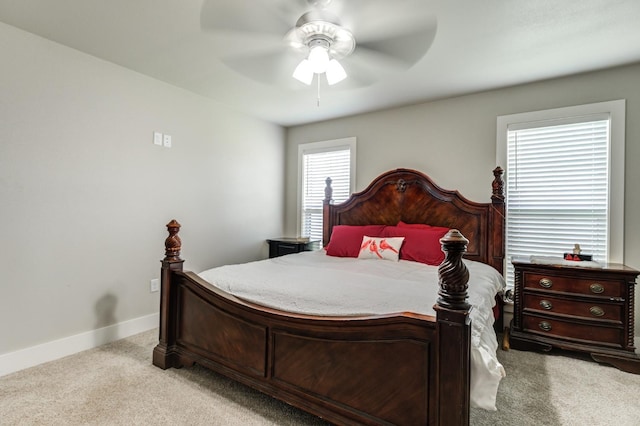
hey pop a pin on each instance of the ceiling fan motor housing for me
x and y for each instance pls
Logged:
(321, 28)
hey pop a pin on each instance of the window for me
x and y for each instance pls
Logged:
(316, 162)
(564, 180)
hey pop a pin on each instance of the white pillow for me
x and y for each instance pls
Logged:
(386, 248)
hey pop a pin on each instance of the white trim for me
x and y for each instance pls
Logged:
(50, 351)
(614, 109)
(324, 146)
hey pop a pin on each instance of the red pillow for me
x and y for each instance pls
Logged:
(402, 224)
(421, 244)
(346, 239)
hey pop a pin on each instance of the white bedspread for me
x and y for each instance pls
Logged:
(314, 283)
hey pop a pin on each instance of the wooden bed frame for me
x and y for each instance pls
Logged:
(404, 369)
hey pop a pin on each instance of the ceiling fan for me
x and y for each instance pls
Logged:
(288, 43)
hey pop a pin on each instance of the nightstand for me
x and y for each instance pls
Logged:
(284, 245)
(576, 308)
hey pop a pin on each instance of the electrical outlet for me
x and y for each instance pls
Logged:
(155, 285)
(167, 141)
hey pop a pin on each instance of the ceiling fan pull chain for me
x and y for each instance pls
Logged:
(318, 78)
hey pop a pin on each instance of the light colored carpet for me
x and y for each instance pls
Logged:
(117, 385)
(562, 388)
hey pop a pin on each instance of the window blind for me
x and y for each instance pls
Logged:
(558, 190)
(316, 167)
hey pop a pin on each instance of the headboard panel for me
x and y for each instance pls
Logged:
(410, 196)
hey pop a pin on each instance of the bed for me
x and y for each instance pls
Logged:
(404, 368)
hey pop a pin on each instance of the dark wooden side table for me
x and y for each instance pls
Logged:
(284, 245)
(576, 308)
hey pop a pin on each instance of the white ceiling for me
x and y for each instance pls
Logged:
(479, 45)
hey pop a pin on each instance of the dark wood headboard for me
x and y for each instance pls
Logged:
(412, 197)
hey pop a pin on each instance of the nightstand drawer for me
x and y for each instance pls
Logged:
(583, 332)
(594, 310)
(283, 246)
(581, 286)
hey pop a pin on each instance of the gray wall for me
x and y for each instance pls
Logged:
(86, 195)
(454, 140)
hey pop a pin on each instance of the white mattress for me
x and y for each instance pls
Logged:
(314, 283)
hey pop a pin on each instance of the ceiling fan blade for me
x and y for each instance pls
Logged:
(374, 60)
(377, 19)
(407, 47)
(226, 44)
(251, 16)
(367, 66)
(273, 67)
(391, 35)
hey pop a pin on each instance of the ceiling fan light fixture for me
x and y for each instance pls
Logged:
(335, 72)
(321, 37)
(319, 58)
(304, 72)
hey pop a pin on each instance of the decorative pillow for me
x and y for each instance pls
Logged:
(420, 244)
(387, 248)
(346, 239)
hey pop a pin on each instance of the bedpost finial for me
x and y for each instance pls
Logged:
(173, 244)
(498, 186)
(328, 191)
(453, 273)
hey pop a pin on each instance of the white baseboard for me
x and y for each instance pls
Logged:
(29, 357)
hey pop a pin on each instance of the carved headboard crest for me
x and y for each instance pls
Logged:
(412, 197)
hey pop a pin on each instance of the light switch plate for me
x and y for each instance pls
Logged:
(157, 138)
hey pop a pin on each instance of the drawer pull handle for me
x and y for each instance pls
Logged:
(596, 311)
(596, 288)
(545, 282)
(546, 305)
(545, 326)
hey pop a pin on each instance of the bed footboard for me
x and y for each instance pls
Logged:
(404, 369)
